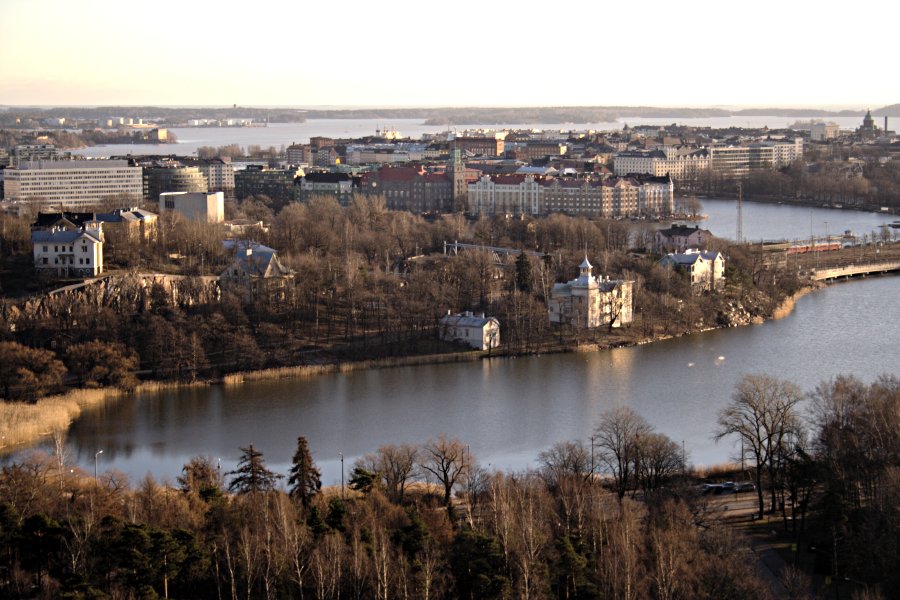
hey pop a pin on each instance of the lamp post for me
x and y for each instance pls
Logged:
(341, 454)
(96, 454)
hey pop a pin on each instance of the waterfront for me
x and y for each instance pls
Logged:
(507, 410)
(764, 221)
(278, 134)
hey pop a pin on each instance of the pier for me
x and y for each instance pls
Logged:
(860, 270)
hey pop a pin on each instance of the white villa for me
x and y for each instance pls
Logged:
(71, 253)
(587, 301)
(706, 269)
(478, 331)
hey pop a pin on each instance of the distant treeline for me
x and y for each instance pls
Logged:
(432, 116)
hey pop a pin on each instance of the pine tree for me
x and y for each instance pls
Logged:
(251, 474)
(305, 480)
(523, 272)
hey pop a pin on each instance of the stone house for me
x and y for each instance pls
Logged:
(587, 302)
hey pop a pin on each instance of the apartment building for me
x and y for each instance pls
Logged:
(606, 198)
(505, 194)
(480, 145)
(72, 183)
(257, 180)
(677, 163)
(172, 176)
(411, 188)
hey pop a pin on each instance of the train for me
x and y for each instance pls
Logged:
(817, 247)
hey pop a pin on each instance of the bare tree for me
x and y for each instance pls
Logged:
(563, 460)
(448, 460)
(616, 438)
(762, 414)
(397, 465)
(658, 459)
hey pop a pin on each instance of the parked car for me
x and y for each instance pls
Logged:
(746, 486)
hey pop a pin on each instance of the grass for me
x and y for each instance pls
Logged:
(23, 423)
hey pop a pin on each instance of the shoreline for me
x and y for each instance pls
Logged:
(23, 425)
(792, 201)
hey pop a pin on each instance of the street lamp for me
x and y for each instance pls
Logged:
(341, 454)
(96, 454)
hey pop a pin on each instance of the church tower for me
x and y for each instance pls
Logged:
(458, 182)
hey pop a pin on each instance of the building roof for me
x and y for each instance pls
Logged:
(689, 257)
(61, 236)
(34, 165)
(255, 260)
(467, 319)
(327, 177)
(682, 231)
(398, 173)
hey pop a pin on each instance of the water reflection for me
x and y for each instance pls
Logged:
(508, 410)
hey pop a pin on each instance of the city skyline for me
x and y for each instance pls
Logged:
(705, 55)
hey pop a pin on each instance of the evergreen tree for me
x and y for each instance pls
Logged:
(523, 272)
(305, 480)
(251, 474)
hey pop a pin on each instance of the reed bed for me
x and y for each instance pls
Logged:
(347, 367)
(23, 423)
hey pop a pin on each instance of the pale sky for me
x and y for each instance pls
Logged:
(446, 53)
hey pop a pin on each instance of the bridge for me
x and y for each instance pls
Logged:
(847, 271)
(455, 247)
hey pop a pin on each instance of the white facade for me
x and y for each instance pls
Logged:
(677, 163)
(511, 194)
(588, 302)
(196, 206)
(820, 132)
(219, 175)
(706, 269)
(73, 183)
(477, 331)
(68, 252)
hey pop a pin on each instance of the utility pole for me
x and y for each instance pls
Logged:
(740, 213)
(341, 454)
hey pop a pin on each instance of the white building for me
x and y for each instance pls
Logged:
(68, 252)
(706, 269)
(196, 206)
(588, 302)
(477, 331)
(73, 183)
(505, 194)
(677, 163)
(821, 132)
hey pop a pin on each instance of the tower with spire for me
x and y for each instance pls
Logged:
(587, 301)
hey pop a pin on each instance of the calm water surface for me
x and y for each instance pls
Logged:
(508, 410)
(278, 134)
(781, 222)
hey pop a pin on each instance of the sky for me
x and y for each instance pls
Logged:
(786, 53)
